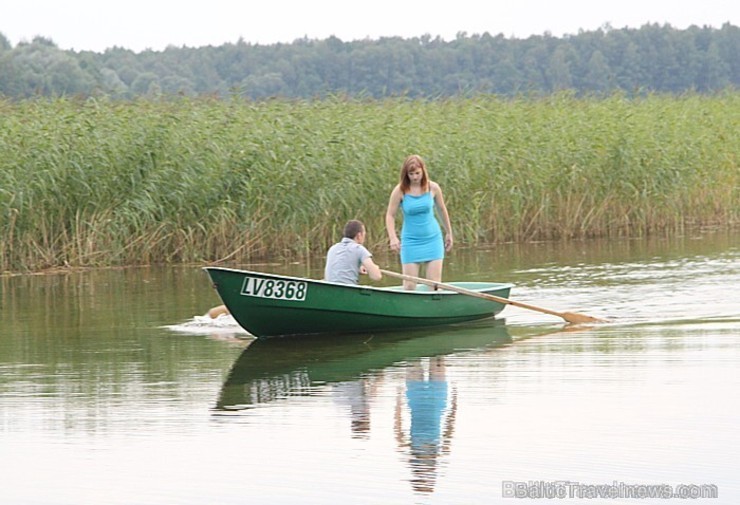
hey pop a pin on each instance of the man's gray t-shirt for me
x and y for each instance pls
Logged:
(343, 261)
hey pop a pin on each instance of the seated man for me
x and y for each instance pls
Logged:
(347, 259)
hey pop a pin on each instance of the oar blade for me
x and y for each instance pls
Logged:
(576, 318)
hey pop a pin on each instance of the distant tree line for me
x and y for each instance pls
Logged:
(653, 58)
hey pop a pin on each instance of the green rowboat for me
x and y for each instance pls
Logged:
(268, 305)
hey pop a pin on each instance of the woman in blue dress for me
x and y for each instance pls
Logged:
(421, 243)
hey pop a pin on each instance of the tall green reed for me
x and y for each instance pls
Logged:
(101, 182)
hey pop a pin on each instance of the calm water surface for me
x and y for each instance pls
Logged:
(114, 389)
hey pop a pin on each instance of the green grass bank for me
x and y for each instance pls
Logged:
(100, 183)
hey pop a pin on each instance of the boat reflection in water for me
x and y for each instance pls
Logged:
(351, 367)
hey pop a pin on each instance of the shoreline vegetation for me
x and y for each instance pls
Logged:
(99, 183)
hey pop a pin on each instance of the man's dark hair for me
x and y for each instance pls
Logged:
(352, 228)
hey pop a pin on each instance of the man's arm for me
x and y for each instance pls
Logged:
(373, 270)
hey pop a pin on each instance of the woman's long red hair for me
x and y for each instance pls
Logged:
(412, 162)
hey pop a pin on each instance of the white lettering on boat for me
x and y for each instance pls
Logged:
(277, 289)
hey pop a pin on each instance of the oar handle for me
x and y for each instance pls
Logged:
(448, 287)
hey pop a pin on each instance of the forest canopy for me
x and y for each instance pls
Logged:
(652, 58)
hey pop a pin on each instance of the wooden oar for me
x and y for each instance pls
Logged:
(571, 317)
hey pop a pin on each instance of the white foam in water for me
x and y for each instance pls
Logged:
(223, 324)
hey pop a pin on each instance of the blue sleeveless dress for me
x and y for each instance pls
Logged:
(421, 236)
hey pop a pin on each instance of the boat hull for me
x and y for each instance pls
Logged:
(268, 305)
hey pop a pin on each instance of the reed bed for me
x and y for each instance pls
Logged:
(99, 183)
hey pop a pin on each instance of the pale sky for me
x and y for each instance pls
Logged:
(155, 24)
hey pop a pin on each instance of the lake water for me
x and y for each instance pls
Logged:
(114, 389)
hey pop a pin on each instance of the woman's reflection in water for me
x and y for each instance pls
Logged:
(432, 411)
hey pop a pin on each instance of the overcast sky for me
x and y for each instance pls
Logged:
(155, 24)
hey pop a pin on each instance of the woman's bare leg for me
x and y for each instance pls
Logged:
(411, 269)
(434, 270)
